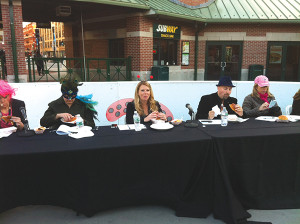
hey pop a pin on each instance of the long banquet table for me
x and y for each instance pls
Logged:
(195, 171)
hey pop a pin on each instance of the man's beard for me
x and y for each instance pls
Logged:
(225, 97)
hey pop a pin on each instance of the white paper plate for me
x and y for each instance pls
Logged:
(266, 118)
(293, 117)
(66, 122)
(165, 126)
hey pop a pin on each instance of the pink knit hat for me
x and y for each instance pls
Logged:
(262, 81)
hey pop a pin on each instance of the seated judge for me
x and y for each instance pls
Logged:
(221, 97)
(10, 108)
(296, 104)
(257, 103)
(69, 105)
(144, 104)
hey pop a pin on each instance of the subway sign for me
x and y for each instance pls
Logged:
(166, 31)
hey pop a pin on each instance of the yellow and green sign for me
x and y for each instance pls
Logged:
(166, 31)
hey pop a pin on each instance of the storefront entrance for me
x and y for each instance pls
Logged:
(223, 58)
(283, 61)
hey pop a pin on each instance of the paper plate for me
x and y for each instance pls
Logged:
(68, 122)
(165, 126)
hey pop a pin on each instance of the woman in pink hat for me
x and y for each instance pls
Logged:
(258, 102)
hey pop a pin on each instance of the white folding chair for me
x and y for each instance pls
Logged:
(288, 109)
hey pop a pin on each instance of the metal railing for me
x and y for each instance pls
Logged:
(97, 69)
(3, 71)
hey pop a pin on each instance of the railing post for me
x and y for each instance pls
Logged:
(29, 68)
(33, 70)
(128, 68)
(88, 69)
(107, 70)
(58, 69)
(3, 68)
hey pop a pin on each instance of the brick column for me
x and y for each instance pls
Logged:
(139, 45)
(19, 38)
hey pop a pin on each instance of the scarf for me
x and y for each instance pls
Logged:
(263, 97)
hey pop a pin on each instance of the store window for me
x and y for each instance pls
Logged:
(116, 50)
(164, 52)
(283, 62)
(165, 44)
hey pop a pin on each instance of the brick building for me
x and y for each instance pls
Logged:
(47, 40)
(194, 39)
(29, 39)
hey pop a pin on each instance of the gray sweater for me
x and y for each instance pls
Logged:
(251, 107)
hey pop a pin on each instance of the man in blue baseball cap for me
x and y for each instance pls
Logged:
(221, 97)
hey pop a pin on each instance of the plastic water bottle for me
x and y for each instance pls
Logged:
(224, 116)
(79, 121)
(136, 120)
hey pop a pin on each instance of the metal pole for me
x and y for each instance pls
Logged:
(83, 48)
(13, 41)
(196, 52)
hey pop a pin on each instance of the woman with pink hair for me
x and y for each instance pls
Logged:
(10, 109)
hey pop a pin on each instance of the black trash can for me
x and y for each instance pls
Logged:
(160, 73)
(255, 70)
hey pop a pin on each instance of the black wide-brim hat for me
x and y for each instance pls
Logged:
(225, 81)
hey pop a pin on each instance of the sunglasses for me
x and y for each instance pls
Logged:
(69, 97)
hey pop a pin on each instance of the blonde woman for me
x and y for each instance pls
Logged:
(257, 103)
(296, 104)
(144, 104)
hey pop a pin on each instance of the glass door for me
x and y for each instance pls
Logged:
(283, 61)
(223, 58)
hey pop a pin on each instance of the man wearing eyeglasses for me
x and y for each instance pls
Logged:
(64, 109)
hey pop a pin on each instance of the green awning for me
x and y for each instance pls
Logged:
(287, 11)
(252, 11)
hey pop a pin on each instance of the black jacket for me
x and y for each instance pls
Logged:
(207, 102)
(59, 106)
(296, 107)
(130, 111)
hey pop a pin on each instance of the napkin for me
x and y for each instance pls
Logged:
(82, 134)
(65, 130)
(130, 127)
(216, 109)
(5, 132)
(75, 132)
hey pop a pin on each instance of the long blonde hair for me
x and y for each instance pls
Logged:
(138, 103)
(255, 92)
(297, 95)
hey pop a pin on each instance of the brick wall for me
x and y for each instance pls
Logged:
(138, 23)
(253, 29)
(17, 12)
(69, 40)
(141, 51)
(96, 36)
(201, 54)
(139, 48)
(254, 52)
